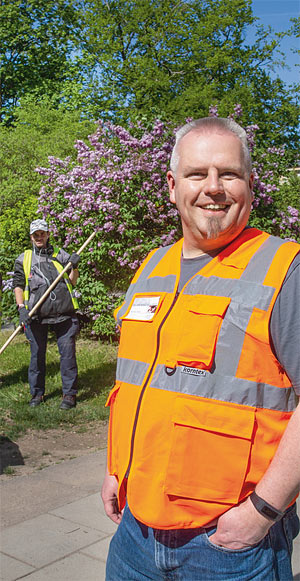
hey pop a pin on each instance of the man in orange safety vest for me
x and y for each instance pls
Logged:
(203, 451)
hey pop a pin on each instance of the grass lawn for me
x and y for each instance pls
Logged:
(96, 364)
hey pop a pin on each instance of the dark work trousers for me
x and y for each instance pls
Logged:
(37, 334)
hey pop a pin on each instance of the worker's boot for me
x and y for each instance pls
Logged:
(68, 402)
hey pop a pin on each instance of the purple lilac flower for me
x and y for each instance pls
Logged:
(213, 111)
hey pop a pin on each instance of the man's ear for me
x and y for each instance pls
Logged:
(171, 185)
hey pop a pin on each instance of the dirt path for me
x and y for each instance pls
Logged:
(38, 448)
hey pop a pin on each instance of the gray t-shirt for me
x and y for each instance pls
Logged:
(285, 317)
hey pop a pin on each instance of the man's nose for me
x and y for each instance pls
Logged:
(213, 184)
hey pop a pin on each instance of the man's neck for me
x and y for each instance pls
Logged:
(191, 252)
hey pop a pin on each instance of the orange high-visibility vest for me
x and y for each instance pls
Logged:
(200, 400)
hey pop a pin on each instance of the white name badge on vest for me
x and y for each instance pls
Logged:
(143, 308)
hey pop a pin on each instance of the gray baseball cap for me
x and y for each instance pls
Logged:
(38, 225)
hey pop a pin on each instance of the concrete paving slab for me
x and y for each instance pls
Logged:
(45, 539)
(87, 511)
(98, 550)
(36, 498)
(77, 567)
(11, 569)
(85, 472)
(25, 497)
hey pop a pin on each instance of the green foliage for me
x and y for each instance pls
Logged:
(277, 205)
(98, 302)
(289, 190)
(40, 130)
(36, 40)
(174, 59)
(14, 227)
(287, 205)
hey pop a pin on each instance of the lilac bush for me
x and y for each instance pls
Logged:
(117, 186)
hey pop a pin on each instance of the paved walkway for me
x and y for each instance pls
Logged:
(54, 527)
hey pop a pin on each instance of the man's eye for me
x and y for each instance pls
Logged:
(229, 174)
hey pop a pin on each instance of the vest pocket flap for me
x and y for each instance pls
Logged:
(112, 394)
(214, 417)
(208, 305)
(35, 283)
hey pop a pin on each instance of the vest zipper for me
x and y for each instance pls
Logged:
(146, 383)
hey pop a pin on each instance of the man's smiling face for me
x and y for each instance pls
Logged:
(212, 190)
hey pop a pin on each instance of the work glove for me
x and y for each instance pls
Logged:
(74, 259)
(23, 316)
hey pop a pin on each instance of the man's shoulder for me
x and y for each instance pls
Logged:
(60, 254)
(159, 249)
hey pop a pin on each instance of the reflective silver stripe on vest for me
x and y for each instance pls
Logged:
(241, 291)
(228, 389)
(131, 371)
(155, 284)
(259, 264)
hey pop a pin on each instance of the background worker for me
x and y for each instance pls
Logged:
(34, 272)
(203, 454)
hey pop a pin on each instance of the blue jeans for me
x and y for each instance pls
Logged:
(37, 335)
(138, 552)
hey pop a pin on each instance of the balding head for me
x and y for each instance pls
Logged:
(212, 125)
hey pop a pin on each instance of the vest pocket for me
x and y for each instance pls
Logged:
(210, 450)
(201, 322)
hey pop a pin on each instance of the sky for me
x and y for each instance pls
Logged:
(277, 14)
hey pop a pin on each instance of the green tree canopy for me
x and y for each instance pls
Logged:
(174, 59)
(125, 59)
(39, 131)
(36, 39)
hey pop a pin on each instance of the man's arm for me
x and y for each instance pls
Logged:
(109, 494)
(19, 295)
(23, 312)
(73, 276)
(243, 525)
(74, 259)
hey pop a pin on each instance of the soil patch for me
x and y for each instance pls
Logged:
(38, 449)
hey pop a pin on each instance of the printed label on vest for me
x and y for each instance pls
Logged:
(143, 308)
(193, 371)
